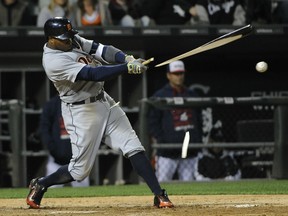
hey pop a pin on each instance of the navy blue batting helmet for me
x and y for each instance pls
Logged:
(60, 28)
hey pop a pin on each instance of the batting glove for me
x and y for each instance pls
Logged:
(136, 67)
(129, 58)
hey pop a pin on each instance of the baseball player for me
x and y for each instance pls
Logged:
(78, 68)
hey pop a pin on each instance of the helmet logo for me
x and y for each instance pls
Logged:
(69, 27)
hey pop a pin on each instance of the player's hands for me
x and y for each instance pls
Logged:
(129, 58)
(136, 66)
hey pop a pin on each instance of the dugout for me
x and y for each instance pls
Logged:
(276, 145)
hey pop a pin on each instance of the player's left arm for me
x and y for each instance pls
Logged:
(105, 53)
(109, 54)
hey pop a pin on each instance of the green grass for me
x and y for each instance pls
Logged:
(176, 188)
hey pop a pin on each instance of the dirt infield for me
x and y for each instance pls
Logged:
(252, 205)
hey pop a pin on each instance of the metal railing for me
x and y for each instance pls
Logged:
(279, 114)
(14, 110)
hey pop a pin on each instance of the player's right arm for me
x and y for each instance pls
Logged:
(105, 72)
(101, 73)
(73, 71)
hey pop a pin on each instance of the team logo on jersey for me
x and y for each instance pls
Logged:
(89, 60)
(85, 60)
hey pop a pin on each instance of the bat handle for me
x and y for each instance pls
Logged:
(148, 61)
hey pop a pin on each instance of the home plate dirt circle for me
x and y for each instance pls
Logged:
(207, 205)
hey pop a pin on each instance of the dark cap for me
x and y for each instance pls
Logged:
(60, 28)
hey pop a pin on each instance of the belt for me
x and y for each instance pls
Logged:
(90, 100)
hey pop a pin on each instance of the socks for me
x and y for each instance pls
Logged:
(61, 176)
(139, 162)
(144, 169)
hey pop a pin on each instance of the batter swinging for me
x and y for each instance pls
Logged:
(78, 68)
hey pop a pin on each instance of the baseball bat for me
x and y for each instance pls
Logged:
(220, 41)
(148, 61)
(185, 145)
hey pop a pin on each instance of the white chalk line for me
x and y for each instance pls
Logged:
(73, 212)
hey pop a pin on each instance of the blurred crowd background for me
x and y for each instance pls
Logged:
(130, 13)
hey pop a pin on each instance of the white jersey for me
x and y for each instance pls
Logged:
(63, 72)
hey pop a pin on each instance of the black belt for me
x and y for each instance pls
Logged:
(90, 100)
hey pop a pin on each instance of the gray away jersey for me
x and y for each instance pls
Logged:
(62, 69)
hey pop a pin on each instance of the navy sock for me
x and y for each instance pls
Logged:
(144, 169)
(61, 176)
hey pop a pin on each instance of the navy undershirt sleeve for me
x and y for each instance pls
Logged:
(120, 57)
(93, 48)
(101, 73)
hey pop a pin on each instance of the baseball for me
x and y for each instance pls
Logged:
(261, 67)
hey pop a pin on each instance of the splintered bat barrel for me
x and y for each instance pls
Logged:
(220, 41)
(185, 145)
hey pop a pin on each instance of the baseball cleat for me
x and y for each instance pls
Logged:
(36, 193)
(162, 201)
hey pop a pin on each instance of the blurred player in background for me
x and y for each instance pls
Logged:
(216, 162)
(170, 125)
